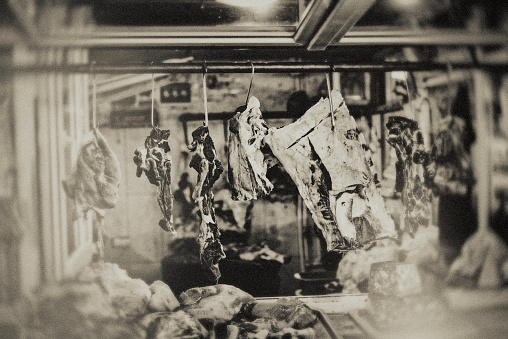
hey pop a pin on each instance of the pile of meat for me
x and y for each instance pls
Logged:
(209, 168)
(104, 302)
(421, 249)
(334, 175)
(235, 314)
(155, 161)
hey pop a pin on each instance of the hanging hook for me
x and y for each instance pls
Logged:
(153, 90)
(94, 97)
(330, 100)
(251, 81)
(449, 75)
(205, 100)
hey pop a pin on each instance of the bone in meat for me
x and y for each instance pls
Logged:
(209, 168)
(155, 161)
(333, 176)
(247, 169)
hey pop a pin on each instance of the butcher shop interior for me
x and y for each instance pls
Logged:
(265, 169)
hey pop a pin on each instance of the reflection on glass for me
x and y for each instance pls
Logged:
(433, 13)
(197, 13)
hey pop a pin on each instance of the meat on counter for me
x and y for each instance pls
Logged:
(209, 169)
(247, 168)
(333, 174)
(155, 161)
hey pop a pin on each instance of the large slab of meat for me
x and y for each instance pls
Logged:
(412, 172)
(333, 174)
(247, 169)
(209, 169)
(155, 161)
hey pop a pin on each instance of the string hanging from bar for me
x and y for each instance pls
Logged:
(152, 109)
(449, 87)
(94, 98)
(205, 100)
(250, 85)
(330, 100)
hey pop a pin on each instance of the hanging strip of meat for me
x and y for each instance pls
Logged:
(332, 172)
(93, 183)
(247, 169)
(209, 169)
(450, 162)
(155, 161)
(412, 170)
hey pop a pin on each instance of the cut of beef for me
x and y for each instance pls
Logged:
(209, 169)
(451, 163)
(333, 174)
(247, 169)
(217, 304)
(412, 170)
(155, 161)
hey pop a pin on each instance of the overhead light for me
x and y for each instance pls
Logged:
(258, 5)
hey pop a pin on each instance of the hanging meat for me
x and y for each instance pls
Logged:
(451, 163)
(155, 161)
(333, 174)
(94, 180)
(247, 169)
(209, 169)
(413, 175)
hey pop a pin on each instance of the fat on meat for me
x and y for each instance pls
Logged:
(332, 171)
(209, 169)
(155, 161)
(246, 165)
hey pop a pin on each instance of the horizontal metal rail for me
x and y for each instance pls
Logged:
(246, 67)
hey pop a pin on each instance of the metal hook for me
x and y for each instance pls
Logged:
(153, 90)
(250, 86)
(94, 96)
(205, 100)
(330, 100)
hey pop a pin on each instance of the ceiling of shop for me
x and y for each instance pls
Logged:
(252, 30)
(435, 13)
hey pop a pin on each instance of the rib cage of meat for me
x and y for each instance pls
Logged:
(155, 161)
(209, 169)
(247, 169)
(332, 172)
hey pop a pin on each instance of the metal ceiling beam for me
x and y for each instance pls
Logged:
(246, 67)
(25, 13)
(412, 37)
(343, 17)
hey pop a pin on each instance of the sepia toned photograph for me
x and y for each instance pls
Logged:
(270, 169)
